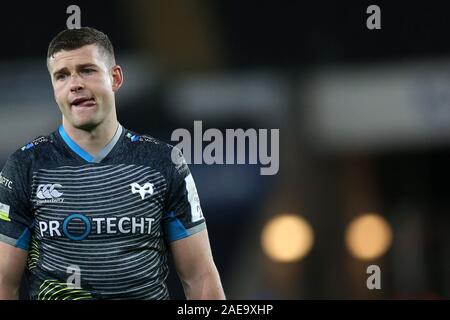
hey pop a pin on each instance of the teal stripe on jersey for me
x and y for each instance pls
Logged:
(76, 148)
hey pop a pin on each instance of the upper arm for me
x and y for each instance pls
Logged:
(185, 231)
(12, 265)
(16, 222)
(192, 256)
(16, 217)
(183, 216)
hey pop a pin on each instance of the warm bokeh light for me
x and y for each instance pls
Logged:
(368, 236)
(287, 238)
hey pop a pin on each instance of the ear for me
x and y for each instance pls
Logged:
(117, 78)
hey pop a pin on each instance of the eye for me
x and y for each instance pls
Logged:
(60, 76)
(88, 71)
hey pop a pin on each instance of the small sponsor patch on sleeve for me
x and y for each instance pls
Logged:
(5, 182)
(193, 198)
(4, 212)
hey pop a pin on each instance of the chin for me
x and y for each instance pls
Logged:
(86, 126)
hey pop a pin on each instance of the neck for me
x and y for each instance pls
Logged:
(94, 140)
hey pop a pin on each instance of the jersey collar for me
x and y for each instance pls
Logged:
(85, 155)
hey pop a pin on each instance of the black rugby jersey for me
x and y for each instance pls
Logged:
(97, 227)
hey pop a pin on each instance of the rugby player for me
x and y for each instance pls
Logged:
(93, 210)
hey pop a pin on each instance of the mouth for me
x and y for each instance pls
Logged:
(83, 102)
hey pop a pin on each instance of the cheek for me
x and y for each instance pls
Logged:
(104, 90)
(57, 97)
(59, 93)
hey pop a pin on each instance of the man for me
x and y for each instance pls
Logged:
(92, 209)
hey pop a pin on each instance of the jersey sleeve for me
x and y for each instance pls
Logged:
(183, 216)
(16, 220)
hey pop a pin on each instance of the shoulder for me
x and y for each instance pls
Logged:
(22, 160)
(152, 144)
(41, 140)
(27, 152)
(144, 139)
(163, 155)
(153, 147)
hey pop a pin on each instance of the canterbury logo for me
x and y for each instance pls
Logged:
(146, 189)
(48, 191)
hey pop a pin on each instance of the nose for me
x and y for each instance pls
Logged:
(76, 83)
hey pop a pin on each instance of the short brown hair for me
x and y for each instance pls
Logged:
(71, 39)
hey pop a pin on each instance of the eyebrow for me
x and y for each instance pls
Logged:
(78, 67)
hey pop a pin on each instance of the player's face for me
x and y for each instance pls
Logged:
(84, 84)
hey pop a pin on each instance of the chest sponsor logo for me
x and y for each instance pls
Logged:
(86, 226)
(49, 193)
(143, 191)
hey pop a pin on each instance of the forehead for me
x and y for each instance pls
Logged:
(70, 58)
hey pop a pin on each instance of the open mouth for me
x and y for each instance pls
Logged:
(83, 102)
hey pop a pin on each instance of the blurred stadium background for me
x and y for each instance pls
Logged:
(364, 119)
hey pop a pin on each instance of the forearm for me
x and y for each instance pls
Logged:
(204, 287)
(8, 291)
(12, 264)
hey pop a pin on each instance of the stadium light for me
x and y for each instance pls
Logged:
(368, 236)
(287, 238)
